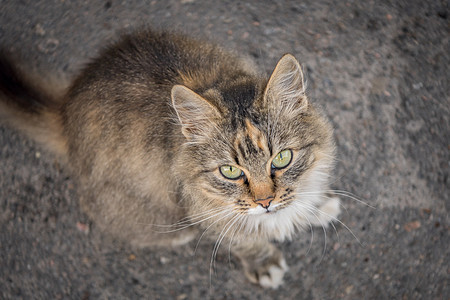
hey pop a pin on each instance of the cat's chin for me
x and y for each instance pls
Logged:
(281, 224)
(272, 223)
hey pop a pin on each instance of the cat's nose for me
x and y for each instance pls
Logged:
(264, 202)
(262, 193)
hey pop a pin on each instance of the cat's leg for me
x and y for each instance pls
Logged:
(184, 237)
(136, 219)
(263, 263)
(327, 212)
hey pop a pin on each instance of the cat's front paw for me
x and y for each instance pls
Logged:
(268, 274)
(327, 212)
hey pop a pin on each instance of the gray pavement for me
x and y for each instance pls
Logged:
(378, 68)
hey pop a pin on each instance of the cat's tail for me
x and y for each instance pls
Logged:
(30, 107)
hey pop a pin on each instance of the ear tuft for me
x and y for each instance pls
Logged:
(195, 114)
(285, 90)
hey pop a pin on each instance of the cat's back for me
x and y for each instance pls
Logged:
(159, 59)
(119, 107)
(133, 78)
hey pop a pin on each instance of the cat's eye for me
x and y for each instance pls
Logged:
(231, 172)
(282, 160)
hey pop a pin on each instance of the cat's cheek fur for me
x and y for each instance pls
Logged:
(311, 207)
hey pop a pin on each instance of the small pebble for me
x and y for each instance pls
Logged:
(131, 257)
(164, 260)
(412, 226)
(83, 227)
(39, 29)
(349, 289)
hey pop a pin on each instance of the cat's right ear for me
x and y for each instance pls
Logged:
(285, 91)
(195, 114)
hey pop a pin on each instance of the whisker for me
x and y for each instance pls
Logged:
(338, 193)
(188, 219)
(350, 196)
(222, 235)
(311, 228)
(333, 219)
(202, 214)
(323, 229)
(194, 223)
(343, 206)
(242, 216)
(201, 236)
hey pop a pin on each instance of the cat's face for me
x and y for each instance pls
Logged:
(260, 168)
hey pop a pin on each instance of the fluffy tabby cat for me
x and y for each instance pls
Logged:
(176, 133)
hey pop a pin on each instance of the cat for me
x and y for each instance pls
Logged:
(169, 136)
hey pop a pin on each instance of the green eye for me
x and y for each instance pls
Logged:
(282, 160)
(231, 172)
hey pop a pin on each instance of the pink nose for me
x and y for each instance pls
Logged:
(264, 202)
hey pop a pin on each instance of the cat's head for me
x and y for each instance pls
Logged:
(257, 154)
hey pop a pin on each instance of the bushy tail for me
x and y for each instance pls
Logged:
(27, 106)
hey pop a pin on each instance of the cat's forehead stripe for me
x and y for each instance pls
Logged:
(250, 141)
(255, 135)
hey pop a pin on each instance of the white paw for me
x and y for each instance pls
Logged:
(327, 212)
(274, 276)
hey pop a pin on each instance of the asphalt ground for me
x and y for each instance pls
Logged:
(378, 68)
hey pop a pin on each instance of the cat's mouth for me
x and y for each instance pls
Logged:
(259, 210)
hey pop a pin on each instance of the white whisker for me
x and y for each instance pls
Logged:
(220, 238)
(333, 219)
(312, 210)
(242, 216)
(311, 228)
(188, 219)
(204, 231)
(338, 193)
(194, 223)
(350, 196)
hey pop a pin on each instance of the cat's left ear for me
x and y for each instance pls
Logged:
(285, 91)
(196, 115)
